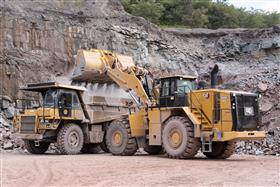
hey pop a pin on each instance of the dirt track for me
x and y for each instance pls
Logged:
(107, 170)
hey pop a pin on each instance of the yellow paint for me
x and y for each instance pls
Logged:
(137, 124)
(244, 135)
(154, 116)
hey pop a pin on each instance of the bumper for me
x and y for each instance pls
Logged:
(29, 136)
(235, 135)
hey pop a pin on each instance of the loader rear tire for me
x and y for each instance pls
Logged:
(31, 148)
(178, 138)
(221, 150)
(153, 150)
(91, 148)
(70, 139)
(119, 140)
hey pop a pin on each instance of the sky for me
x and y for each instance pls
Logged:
(267, 5)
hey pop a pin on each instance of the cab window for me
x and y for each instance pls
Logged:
(185, 85)
(75, 101)
(50, 96)
(165, 88)
(65, 100)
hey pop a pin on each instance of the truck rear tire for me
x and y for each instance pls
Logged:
(178, 138)
(91, 148)
(70, 139)
(31, 148)
(153, 149)
(119, 140)
(221, 150)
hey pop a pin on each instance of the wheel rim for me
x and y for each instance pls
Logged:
(117, 138)
(175, 138)
(73, 139)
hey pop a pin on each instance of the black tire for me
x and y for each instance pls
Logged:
(70, 146)
(91, 148)
(31, 148)
(153, 149)
(178, 138)
(221, 150)
(119, 140)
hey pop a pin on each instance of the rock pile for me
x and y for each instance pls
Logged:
(7, 141)
(269, 146)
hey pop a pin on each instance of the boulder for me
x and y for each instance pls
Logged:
(4, 122)
(262, 87)
(266, 106)
(8, 145)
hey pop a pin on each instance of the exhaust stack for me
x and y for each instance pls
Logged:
(214, 76)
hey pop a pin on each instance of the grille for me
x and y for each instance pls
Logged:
(242, 121)
(27, 124)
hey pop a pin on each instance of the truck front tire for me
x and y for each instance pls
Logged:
(70, 139)
(33, 149)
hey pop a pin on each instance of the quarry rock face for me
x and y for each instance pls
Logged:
(39, 41)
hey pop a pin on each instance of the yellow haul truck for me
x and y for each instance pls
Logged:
(174, 115)
(76, 121)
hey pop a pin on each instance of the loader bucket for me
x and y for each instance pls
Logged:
(91, 65)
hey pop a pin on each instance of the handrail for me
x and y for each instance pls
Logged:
(200, 107)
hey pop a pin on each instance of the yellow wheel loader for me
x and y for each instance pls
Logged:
(175, 115)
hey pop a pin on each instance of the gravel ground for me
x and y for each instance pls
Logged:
(106, 170)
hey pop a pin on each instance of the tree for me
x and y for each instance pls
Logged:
(200, 13)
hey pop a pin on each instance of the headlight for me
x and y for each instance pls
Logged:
(44, 121)
(249, 111)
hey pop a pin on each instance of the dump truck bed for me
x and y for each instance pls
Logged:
(102, 109)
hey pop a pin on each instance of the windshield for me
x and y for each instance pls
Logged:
(50, 98)
(185, 85)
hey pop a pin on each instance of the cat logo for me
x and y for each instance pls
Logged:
(65, 112)
(206, 95)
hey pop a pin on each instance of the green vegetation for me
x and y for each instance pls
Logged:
(199, 14)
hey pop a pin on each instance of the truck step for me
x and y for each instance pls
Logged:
(206, 145)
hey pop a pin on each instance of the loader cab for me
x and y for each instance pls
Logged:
(174, 89)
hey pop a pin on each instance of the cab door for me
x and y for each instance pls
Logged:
(65, 105)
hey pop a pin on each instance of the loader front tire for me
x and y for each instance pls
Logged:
(119, 140)
(221, 150)
(70, 139)
(31, 148)
(178, 138)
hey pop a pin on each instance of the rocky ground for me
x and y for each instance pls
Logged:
(39, 40)
(141, 170)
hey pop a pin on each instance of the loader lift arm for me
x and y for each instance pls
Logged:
(121, 69)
